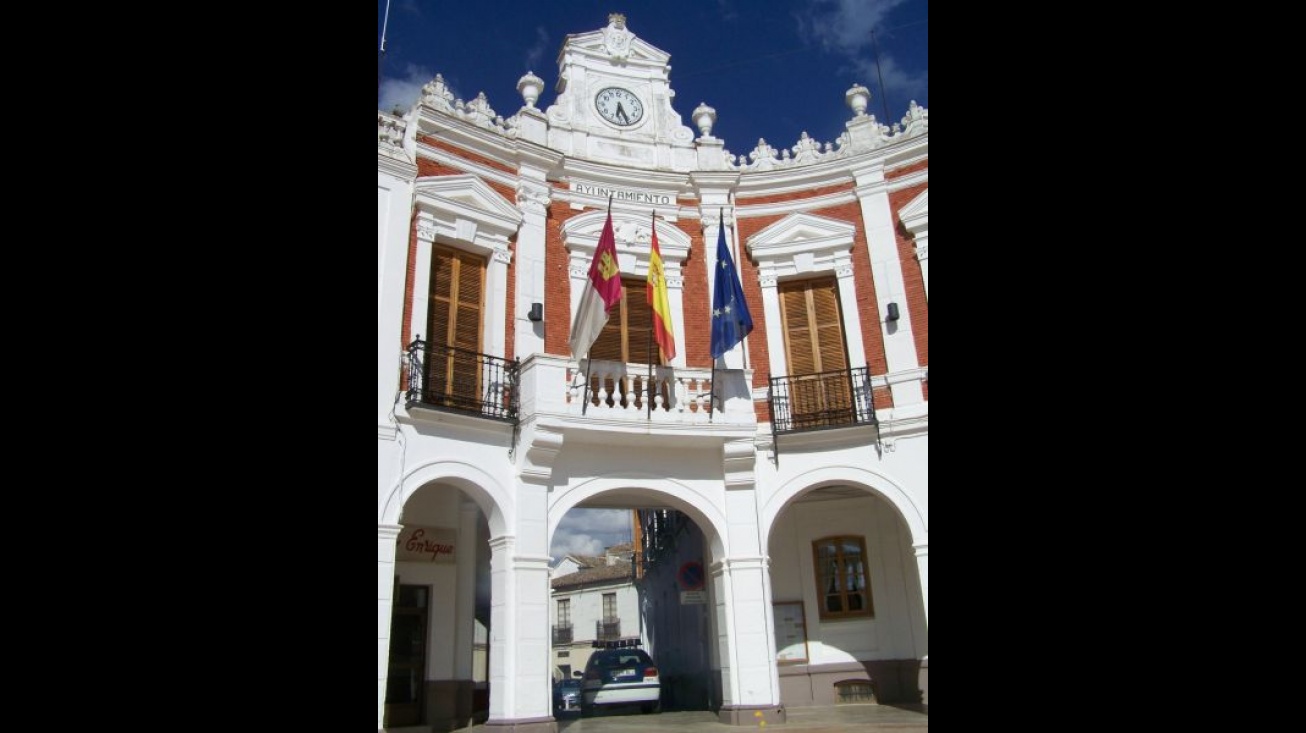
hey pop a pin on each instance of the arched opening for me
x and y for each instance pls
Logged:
(438, 647)
(843, 565)
(629, 573)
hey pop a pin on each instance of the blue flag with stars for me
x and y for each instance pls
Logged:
(731, 321)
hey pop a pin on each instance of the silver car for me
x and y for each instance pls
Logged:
(621, 677)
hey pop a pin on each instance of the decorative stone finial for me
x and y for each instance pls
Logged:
(704, 116)
(530, 87)
(857, 98)
(617, 19)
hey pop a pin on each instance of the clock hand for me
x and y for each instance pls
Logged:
(622, 113)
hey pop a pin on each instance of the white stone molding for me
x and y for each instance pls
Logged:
(580, 236)
(887, 275)
(436, 95)
(738, 460)
(465, 213)
(915, 217)
(533, 197)
(804, 245)
(616, 39)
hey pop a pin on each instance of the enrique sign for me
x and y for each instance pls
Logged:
(426, 544)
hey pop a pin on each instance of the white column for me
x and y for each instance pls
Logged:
(465, 590)
(753, 676)
(385, 584)
(922, 565)
(519, 643)
(394, 202)
(886, 271)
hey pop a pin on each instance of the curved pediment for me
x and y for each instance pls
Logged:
(580, 235)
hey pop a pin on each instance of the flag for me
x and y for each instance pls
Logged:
(731, 321)
(656, 295)
(602, 291)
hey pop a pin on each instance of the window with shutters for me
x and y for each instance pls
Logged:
(628, 338)
(820, 392)
(453, 328)
(629, 331)
(841, 585)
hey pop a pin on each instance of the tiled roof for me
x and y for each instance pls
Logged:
(603, 573)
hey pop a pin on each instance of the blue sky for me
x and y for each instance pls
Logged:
(771, 68)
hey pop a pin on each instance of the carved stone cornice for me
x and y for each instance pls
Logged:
(737, 463)
(533, 197)
(707, 221)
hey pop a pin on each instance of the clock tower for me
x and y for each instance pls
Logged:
(614, 102)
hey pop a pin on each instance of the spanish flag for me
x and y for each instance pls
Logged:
(656, 292)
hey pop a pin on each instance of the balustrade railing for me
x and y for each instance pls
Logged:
(607, 629)
(457, 380)
(617, 389)
(835, 399)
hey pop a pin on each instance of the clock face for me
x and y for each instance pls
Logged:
(619, 106)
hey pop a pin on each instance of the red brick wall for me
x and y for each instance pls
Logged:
(913, 281)
(428, 168)
(557, 280)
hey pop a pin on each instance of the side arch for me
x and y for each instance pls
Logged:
(483, 488)
(700, 507)
(847, 475)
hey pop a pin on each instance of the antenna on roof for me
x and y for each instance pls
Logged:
(381, 58)
(884, 98)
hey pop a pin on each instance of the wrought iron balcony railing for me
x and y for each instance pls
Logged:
(562, 634)
(607, 629)
(457, 380)
(821, 401)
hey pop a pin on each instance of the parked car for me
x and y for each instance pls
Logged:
(566, 696)
(621, 677)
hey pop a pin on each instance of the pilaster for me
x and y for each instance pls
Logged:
(386, 535)
(886, 270)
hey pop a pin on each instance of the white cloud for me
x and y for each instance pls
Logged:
(844, 27)
(403, 90)
(536, 52)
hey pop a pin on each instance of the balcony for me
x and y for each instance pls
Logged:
(457, 380)
(607, 629)
(836, 399)
(562, 634)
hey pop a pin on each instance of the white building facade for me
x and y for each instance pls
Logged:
(594, 601)
(798, 461)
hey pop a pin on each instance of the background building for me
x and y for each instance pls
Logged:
(594, 600)
(782, 488)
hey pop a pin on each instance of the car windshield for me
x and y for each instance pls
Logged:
(625, 659)
(569, 685)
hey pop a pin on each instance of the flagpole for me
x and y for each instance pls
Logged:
(652, 312)
(585, 405)
(589, 363)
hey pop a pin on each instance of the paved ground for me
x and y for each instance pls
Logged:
(830, 719)
(847, 718)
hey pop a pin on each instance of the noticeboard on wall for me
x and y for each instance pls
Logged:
(790, 632)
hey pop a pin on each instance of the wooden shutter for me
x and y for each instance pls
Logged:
(814, 344)
(454, 327)
(629, 329)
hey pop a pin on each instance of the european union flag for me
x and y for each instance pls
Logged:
(731, 321)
